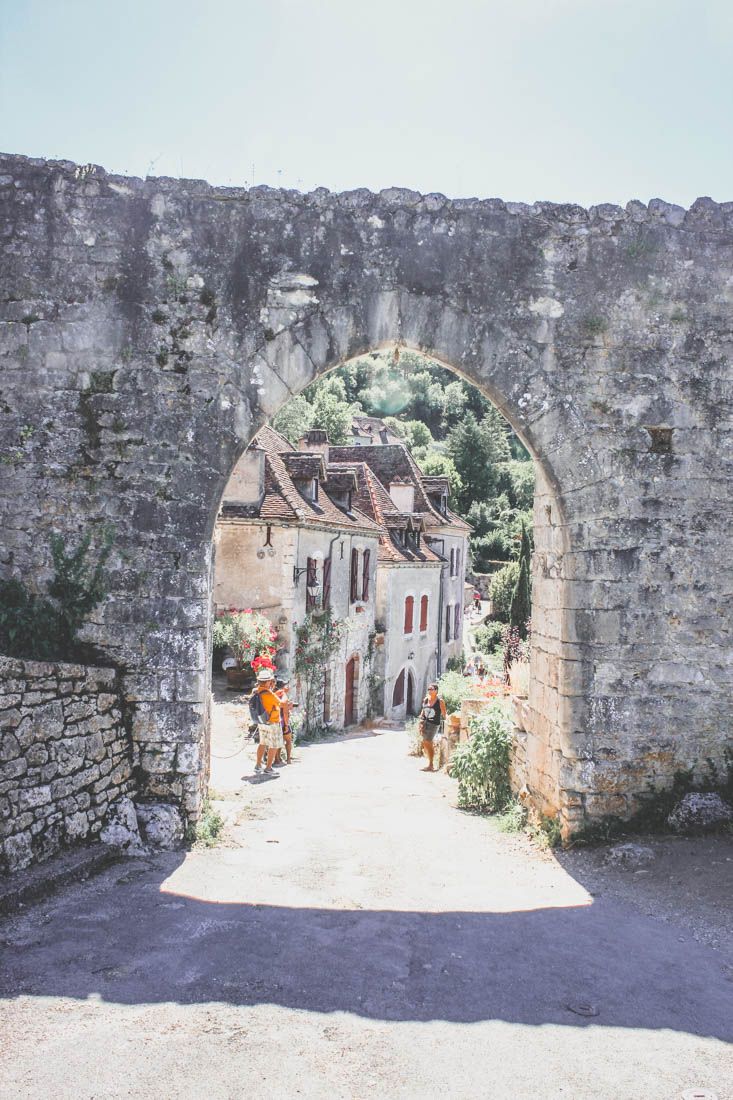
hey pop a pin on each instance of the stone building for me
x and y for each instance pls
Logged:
(422, 563)
(289, 540)
(149, 328)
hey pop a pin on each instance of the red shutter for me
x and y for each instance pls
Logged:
(365, 576)
(424, 614)
(327, 582)
(409, 605)
(354, 574)
(311, 580)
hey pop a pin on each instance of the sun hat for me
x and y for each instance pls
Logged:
(265, 674)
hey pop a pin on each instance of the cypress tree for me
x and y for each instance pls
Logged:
(520, 608)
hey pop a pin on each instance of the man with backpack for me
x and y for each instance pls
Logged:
(264, 709)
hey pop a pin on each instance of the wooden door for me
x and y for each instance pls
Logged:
(410, 693)
(350, 694)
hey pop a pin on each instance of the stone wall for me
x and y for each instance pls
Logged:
(148, 328)
(65, 757)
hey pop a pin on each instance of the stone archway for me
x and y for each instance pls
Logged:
(151, 327)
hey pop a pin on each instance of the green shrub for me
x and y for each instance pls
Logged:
(42, 629)
(501, 590)
(481, 764)
(490, 637)
(453, 688)
(513, 819)
(208, 828)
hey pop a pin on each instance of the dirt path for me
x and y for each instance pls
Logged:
(356, 937)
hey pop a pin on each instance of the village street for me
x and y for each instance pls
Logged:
(356, 936)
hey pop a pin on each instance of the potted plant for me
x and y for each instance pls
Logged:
(248, 635)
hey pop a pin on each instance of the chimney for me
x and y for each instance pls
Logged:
(403, 495)
(247, 482)
(316, 439)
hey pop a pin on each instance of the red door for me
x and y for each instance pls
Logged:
(350, 695)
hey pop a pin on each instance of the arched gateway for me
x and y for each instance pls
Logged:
(149, 328)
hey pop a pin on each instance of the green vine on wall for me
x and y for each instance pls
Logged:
(40, 628)
(317, 640)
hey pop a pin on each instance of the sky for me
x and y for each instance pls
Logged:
(581, 101)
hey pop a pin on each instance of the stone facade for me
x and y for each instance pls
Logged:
(149, 328)
(65, 757)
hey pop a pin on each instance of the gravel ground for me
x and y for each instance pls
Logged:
(357, 936)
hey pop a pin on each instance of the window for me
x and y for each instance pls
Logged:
(451, 563)
(458, 563)
(457, 621)
(398, 695)
(354, 580)
(327, 582)
(423, 614)
(311, 582)
(365, 576)
(448, 619)
(409, 607)
(314, 489)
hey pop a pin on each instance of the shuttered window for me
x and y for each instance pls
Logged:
(365, 576)
(353, 590)
(311, 578)
(447, 622)
(423, 614)
(327, 582)
(409, 608)
(457, 621)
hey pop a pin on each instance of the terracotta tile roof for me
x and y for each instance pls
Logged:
(267, 439)
(393, 464)
(302, 466)
(283, 501)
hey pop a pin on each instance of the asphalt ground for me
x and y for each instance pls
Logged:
(354, 936)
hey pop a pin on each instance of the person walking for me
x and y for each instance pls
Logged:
(267, 707)
(431, 717)
(286, 708)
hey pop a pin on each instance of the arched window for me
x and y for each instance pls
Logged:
(409, 608)
(423, 614)
(398, 695)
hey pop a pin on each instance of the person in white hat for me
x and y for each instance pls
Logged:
(268, 721)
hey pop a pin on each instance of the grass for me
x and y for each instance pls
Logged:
(206, 832)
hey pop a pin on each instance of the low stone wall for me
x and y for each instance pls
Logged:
(65, 757)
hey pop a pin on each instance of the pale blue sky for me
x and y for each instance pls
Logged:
(568, 100)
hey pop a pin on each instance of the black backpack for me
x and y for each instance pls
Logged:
(257, 712)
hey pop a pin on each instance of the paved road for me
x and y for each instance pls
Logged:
(355, 937)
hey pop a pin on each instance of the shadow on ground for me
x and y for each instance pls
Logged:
(128, 939)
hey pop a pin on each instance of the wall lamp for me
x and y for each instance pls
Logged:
(298, 573)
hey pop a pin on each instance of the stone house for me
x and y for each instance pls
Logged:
(289, 540)
(421, 569)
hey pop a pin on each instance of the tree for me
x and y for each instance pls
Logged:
(437, 463)
(520, 609)
(333, 415)
(416, 435)
(501, 590)
(478, 449)
(522, 481)
(294, 419)
(454, 404)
